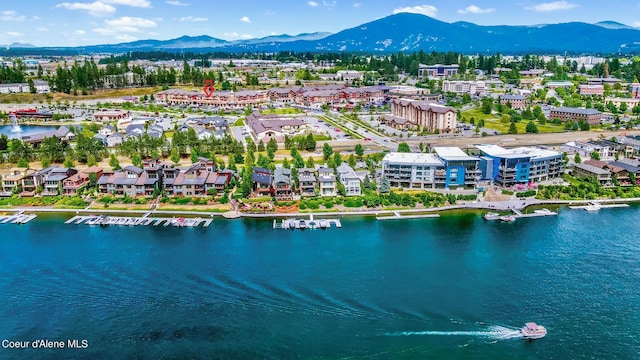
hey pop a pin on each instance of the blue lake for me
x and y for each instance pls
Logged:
(455, 287)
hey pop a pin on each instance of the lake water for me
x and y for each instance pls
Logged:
(26, 130)
(456, 287)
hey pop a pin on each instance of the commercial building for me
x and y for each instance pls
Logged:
(591, 116)
(509, 167)
(437, 71)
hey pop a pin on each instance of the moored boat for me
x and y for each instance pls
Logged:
(531, 331)
(491, 216)
(508, 218)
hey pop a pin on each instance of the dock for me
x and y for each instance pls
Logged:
(517, 214)
(397, 216)
(18, 218)
(145, 220)
(311, 223)
(595, 206)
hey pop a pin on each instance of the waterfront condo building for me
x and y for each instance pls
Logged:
(414, 170)
(509, 167)
(462, 170)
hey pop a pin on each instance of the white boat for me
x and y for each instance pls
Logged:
(491, 216)
(508, 218)
(531, 331)
(302, 224)
(543, 211)
(593, 207)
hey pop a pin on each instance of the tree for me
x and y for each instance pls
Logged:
(261, 146)
(136, 160)
(326, 151)
(286, 164)
(403, 147)
(337, 160)
(175, 157)
(68, 162)
(310, 143)
(272, 145)
(359, 150)
(91, 160)
(22, 163)
(45, 161)
(487, 105)
(351, 160)
(114, 162)
(310, 163)
(595, 155)
(531, 128)
(577, 159)
(512, 128)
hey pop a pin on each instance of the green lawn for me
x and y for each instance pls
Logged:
(493, 121)
(282, 111)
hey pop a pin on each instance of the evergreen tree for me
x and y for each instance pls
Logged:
(327, 151)
(114, 162)
(531, 128)
(403, 147)
(512, 128)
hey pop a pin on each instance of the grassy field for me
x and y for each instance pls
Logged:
(494, 122)
(26, 98)
(283, 111)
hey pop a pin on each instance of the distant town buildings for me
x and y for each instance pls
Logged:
(474, 88)
(591, 116)
(437, 71)
(430, 116)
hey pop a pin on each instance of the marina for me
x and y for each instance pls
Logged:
(18, 218)
(291, 224)
(145, 220)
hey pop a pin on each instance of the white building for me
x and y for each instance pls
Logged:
(413, 170)
(348, 177)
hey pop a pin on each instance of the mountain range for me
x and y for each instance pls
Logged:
(414, 32)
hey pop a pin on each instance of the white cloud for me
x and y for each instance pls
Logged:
(193, 19)
(552, 6)
(125, 24)
(329, 4)
(245, 19)
(428, 10)
(42, 29)
(235, 35)
(132, 3)
(36, 17)
(10, 15)
(472, 9)
(357, 5)
(14, 34)
(95, 8)
(80, 32)
(127, 21)
(126, 37)
(269, 13)
(312, 3)
(176, 3)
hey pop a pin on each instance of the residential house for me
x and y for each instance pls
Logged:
(618, 172)
(349, 179)
(53, 179)
(327, 181)
(587, 149)
(262, 182)
(282, 184)
(307, 181)
(11, 182)
(130, 181)
(191, 181)
(63, 133)
(603, 176)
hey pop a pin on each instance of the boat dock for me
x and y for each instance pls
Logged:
(517, 214)
(104, 220)
(18, 218)
(595, 206)
(397, 216)
(291, 224)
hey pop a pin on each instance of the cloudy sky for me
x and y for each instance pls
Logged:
(90, 22)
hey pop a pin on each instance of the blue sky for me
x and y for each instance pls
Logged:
(89, 22)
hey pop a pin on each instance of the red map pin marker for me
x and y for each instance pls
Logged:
(208, 88)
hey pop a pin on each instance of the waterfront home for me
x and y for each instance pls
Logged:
(413, 170)
(462, 170)
(632, 166)
(617, 172)
(75, 182)
(351, 181)
(31, 181)
(53, 178)
(603, 176)
(282, 184)
(262, 181)
(219, 180)
(130, 181)
(191, 181)
(307, 181)
(11, 182)
(508, 167)
(327, 182)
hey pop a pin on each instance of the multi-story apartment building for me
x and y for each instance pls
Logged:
(591, 116)
(414, 170)
(462, 170)
(464, 87)
(430, 116)
(509, 167)
(516, 101)
(591, 90)
(437, 71)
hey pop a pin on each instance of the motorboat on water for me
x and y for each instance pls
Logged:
(302, 224)
(491, 216)
(593, 207)
(531, 331)
(508, 218)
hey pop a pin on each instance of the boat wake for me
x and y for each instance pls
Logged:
(493, 332)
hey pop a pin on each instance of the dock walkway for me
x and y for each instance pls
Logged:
(18, 218)
(146, 219)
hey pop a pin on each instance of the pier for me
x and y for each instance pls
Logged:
(595, 206)
(517, 214)
(18, 218)
(291, 224)
(105, 220)
(397, 216)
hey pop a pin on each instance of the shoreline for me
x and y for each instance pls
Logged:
(508, 205)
